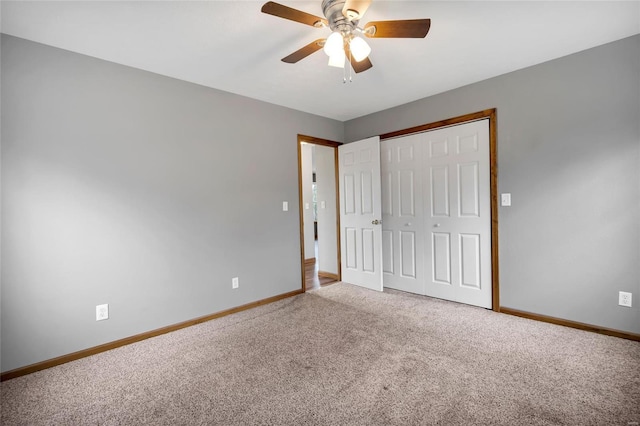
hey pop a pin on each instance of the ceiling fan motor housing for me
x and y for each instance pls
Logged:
(332, 10)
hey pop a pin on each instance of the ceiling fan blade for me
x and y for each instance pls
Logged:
(358, 67)
(363, 65)
(282, 11)
(408, 28)
(299, 54)
(354, 9)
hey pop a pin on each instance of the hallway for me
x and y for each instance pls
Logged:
(311, 278)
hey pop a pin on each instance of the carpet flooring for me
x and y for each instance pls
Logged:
(343, 355)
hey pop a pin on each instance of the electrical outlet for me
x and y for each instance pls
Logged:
(102, 312)
(624, 298)
(235, 283)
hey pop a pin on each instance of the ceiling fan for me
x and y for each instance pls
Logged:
(345, 41)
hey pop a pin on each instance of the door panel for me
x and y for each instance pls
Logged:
(470, 260)
(460, 214)
(407, 193)
(349, 248)
(408, 254)
(366, 198)
(368, 250)
(438, 148)
(441, 258)
(467, 143)
(468, 190)
(440, 191)
(349, 194)
(387, 252)
(402, 221)
(387, 193)
(361, 205)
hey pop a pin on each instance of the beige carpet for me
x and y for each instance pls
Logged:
(342, 355)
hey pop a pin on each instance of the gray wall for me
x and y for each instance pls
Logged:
(124, 187)
(569, 153)
(147, 193)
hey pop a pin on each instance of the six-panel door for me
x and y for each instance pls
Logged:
(402, 214)
(360, 213)
(437, 213)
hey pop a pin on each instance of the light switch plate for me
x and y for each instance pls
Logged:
(306, 206)
(285, 206)
(323, 204)
(505, 199)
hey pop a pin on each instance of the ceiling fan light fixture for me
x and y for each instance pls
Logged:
(337, 60)
(334, 44)
(359, 48)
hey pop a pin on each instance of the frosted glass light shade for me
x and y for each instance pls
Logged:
(334, 44)
(359, 49)
(337, 59)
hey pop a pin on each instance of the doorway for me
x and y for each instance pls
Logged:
(319, 211)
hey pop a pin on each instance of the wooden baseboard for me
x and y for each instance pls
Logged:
(12, 374)
(572, 324)
(328, 275)
(310, 261)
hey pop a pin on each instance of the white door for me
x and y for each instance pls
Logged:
(436, 232)
(403, 240)
(458, 213)
(360, 213)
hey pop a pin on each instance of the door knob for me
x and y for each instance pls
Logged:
(437, 225)
(376, 222)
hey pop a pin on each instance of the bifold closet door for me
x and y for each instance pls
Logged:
(458, 220)
(436, 202)
(402, 214)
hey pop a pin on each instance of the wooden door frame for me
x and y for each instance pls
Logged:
(492, 115)
(334, 145)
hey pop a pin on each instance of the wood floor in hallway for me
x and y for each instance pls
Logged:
(311, 278)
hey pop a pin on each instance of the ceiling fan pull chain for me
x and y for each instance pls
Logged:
(350, 67)
(344, 75)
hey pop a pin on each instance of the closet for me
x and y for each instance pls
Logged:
(436, 213)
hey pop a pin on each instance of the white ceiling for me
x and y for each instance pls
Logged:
(232, 46)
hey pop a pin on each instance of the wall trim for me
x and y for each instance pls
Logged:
(492, 115)
(328, 275)
(474, 116)
(572, 324)
(22, 371)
